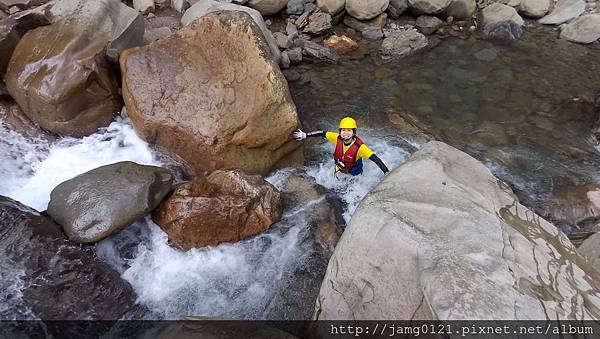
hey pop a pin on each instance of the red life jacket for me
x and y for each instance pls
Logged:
(348, 158)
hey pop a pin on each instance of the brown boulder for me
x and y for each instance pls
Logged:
(13, 117)
(211, 95)
(59, 74)
(225, 206)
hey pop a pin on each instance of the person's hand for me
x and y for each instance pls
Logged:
(299, 135)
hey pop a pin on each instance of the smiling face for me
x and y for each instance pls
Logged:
(346, 134)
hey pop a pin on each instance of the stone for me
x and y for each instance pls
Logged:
(268, 7)
(402, 43)
(226, 206)
(144, 6)
(365, 10)
(332, 7)
(5, 5)
(59, 74)
(372, 33)
(48, 277)
(585, 29)
(502, 22)
(318, 23)
(318, 53)
(295, 55)
(461, 9)
(428, 6)
(291, 29)
(441, 238)
(428, 24)
(360, 25)
(283, 41)
(13, 117)
(341, 44)
(534, 9)
(295, 7)
(285, 60)
(157, 33)
(204, 7)
(396, 8)
(13, 10)
(223, 107)
(179, 5)
(563, 11)
(590, 250)
(103, 201)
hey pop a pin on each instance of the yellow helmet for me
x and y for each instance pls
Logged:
(347, 122)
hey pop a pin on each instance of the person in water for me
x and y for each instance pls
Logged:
(349, 148)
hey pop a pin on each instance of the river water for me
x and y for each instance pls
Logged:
(521, 109)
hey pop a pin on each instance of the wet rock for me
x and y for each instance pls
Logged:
(318, 23)
(401, 43)
(223, 107)
(226, 206)
(461, 9)
(157, 33)
(103, 201)
(585, 29)
(571, 204)
(428, 6)
(534, 8)
(59, 74)
(332, 7)
(144, 6)
(563, 11)
(13, 117)
(58, 279)
(428, 24)
(341, 44)
(205, 7)
(365, 10)
(502, 22)
(486, 54)
(291, 75)
(396, 8)
(318, 53)
(291, 29)
(361, 25)
(441, 238)
(372, 33)
(268, 7)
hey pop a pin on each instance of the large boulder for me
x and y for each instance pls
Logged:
(59, 74)
(563, 11)
(402, 43)
(204, 7)
(268, 7)
(365, 10)
(502, 22)
(590, 250)
(48, 277)
(332, 7)
(461, 9)
(212, 96)
(226, 206)
(534, 8)
(441, 238)
(428, 6)
(101, 202)
(5, 5)
(585, 29)
(396, 8)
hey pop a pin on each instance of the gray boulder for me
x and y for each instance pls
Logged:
(502, 22)
(396, 8)
(441, 238)
(428, 6)
(398, 44)
(332, 7)
(101, 202)
(268, 7)
(365, 10)
(534, 8)
(317, 53)
(590, 250)
(585, 29)
(563, 11)
(318, 23)
(428, 24)
(461, 9)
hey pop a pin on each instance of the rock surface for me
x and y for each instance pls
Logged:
(461, 9)
(101, 202)
(365, 10)
(442, 238)
(428, 6)
(564, 11)
(51, 278)
(502, 22)
(226, 206)
(59, 74)
(534, 8)
(332, 7)
(268, 7)
(585, 29)
(212, 96)
(341, 44)
(402, 43)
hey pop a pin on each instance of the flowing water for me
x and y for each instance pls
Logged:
(520, 109)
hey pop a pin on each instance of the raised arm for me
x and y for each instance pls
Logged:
(300, 135)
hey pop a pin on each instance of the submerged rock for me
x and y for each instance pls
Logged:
(442, 238)
(401, 43)
(51, 278)
(226, 206)
(101, 202)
